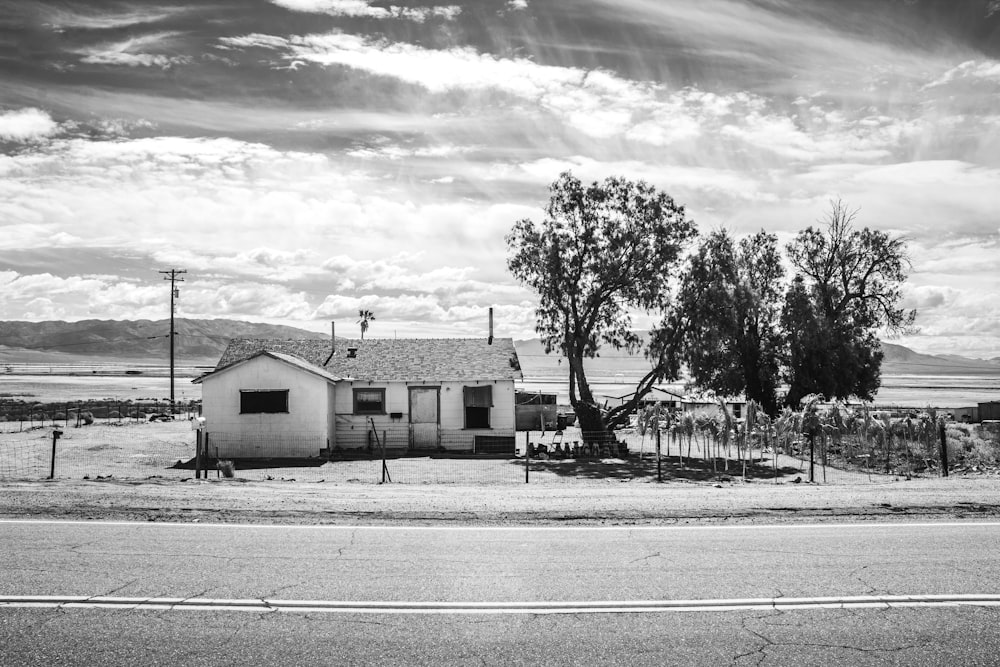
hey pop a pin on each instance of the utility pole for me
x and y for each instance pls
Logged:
(171, 275)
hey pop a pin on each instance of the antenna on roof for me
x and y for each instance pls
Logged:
(333, 342)
(489, 341)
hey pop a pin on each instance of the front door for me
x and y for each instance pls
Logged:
(424, 405)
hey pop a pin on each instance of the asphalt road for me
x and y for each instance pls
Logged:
(520, 595)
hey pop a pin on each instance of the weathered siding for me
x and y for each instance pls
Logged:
(301, 432)
(352, 431)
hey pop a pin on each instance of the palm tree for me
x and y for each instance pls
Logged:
(366, 317)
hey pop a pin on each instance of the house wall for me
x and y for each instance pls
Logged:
(355, 431)
(301, 432)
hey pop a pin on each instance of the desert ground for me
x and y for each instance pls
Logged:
(103, 474)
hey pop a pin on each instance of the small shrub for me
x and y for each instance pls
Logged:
(227, 468)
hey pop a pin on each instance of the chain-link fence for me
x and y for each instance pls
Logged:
(129, 449)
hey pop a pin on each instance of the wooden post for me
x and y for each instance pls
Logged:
(527, 454)
(197, 454)
(52, 467)
(204, 444)
(944, 449)
(812, 457)
(659, 470)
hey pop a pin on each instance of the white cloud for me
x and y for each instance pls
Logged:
(28, 124)
(364, 8)
(988, 70)
(135, 52)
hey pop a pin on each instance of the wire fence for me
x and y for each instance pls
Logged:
(131, 449)
(18, 415)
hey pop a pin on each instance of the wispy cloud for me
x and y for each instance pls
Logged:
(364, 8)
(136, 52)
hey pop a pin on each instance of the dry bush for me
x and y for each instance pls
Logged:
(227, 468)
(973, 445)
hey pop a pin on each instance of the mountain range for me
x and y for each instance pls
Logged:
(201, 342)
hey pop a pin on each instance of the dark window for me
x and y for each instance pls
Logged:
(478, 401)
(253, 401)
(737, 411)
(369, 401)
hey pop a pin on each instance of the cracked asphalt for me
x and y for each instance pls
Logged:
(407, 563)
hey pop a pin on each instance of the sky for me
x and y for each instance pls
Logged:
(304, 159)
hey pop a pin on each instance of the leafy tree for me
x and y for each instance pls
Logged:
(727, 310)
(366, 317)
(601, 251)
(847, 288)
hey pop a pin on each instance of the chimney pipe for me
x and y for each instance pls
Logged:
(489, 341)
(333, 342)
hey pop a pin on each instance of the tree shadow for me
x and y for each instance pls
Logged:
(671, 467)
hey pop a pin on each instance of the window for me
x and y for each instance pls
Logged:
(257, 401)
(369, 401)
(478, 401)
(737, 411)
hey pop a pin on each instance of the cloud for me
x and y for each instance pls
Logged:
(969, 70)
(26, 125)
(364, 8)
(134, 52)
(61, 19)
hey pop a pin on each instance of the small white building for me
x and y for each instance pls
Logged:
(271, 398)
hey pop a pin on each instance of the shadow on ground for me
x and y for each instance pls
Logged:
(671, 467)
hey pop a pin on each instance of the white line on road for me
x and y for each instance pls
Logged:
(265, 526)
(577, 607)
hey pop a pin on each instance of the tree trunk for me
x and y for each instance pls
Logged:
(592, 426)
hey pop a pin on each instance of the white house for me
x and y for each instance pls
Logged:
(272, 398)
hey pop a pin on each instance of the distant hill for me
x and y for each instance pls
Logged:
(898, 360)
(139, 341)
(201, 342)
(901, 360)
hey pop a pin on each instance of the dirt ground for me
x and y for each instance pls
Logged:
(130, 472)
(235, 501)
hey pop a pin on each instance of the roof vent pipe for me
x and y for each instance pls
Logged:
(489, 341)
(333, 342)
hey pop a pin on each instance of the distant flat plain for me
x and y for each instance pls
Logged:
(940, 391)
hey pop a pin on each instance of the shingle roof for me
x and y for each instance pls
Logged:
(286, 358)
(394, 360)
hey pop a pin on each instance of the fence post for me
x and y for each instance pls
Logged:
(659, 471)
(204, 444)
(527, 454)
(52, 468)
(812, 457)
(197, 454)
(944, 449)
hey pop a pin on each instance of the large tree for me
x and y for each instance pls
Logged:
(601, 252)
(727, 311)
(847, 290)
